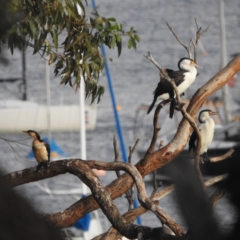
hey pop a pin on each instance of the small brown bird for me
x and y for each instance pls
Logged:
(41, 149)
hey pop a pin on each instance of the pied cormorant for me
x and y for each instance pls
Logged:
(206, 128)
(183, 78)
(41, 149)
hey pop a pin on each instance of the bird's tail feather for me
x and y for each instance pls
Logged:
(172, 107)
(191, 149)
(151, 106)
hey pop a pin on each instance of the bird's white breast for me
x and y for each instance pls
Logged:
(40, 152)
(207, 131)
(189, 78)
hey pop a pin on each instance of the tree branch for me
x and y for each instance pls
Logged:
(175, 35)
(133, 214)
(223, 157)
(130, 194)
(116, 154)
(144, 200)
(216, 196)
(82, 169)
(199, 33)
(156, 128)
(156, 160)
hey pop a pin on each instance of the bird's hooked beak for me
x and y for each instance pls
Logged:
(25, 132)
(213, 113)
(196, 65)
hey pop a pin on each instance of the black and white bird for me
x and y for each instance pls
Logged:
(41, 149)
(183, 78)
(206, 128)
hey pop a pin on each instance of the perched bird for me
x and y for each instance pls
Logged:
(206, 128)
(183, 78)
(41, 149)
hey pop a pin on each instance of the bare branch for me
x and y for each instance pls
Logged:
(116, 154)
(199, 33)
(133, 214)
(216, 179)
(196, 22)
(195, 50)
(131, 150)
(154, 182)
(156, 128)
(223, 157)
(143, 199)
(82, 169)
(130, 194)
(175, 35)
(216, 196)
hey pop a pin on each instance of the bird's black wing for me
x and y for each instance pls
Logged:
(48, 150)
(163, 87)
(177, 76)
(34, 150)
(191, 144)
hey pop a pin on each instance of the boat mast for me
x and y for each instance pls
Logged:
(48, 90)
(24, 94)
(225, 92)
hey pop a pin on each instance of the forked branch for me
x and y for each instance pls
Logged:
(188, 48)
(83, 170)
(193, 43)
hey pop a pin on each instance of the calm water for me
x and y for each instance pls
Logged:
(134, 79)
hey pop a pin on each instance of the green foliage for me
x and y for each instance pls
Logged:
(41, 23)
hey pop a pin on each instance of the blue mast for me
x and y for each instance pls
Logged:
(117, 119)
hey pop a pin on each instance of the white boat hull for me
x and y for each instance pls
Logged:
(16, 118)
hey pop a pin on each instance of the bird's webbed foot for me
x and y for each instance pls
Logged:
(205, 158)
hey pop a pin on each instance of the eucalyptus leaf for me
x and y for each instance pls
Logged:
(43, 23)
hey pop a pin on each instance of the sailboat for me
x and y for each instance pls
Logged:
(17, 115)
